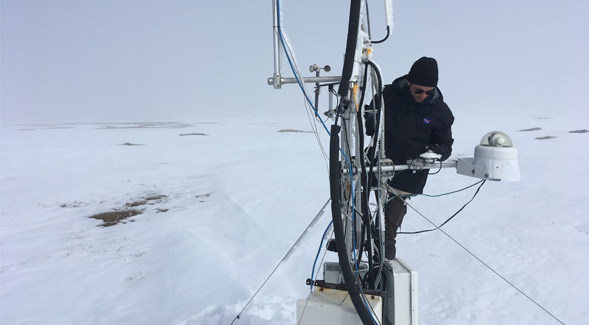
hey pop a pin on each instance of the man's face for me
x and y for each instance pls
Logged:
(419, 92)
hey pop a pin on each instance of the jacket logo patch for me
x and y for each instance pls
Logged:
(426, 120)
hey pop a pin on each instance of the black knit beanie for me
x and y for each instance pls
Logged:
(424, 72)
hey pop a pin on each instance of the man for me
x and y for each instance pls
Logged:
(416, 119)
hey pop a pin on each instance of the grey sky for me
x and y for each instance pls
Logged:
(131, 60)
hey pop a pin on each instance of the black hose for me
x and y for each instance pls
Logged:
(365, 210)
(373, 146)
(338, 228)
(376, 114)
(377, 104)
(354, 23)
(365, 194)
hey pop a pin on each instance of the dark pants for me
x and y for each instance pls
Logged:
(394, 211)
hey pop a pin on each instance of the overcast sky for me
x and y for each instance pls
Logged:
(190, 61)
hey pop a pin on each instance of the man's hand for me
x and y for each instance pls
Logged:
(440, 150)
(433, 147)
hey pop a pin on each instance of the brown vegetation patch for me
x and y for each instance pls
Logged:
(579, 131)
(156, 197)
(185, 134)
(136, 203)
(147, 125)
(532, 129)
(202, 197)
(74, 204)
(114, 217)
(130, 144)
(295, 131)
(545, 138)
(146, 200)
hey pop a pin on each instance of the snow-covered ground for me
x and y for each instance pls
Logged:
(222, 201)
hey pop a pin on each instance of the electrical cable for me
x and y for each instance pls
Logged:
(322, 259)
(279, 28)
(430, 195)
(319, 214)
(353, 210)
(445, 222)
(385, 38)
(313, 123)
(373, 152)
(297, 74)
(444, 194)
(366, 304)
(319, 251)
(366, 178)
(488, 267)
(438, 169)
(335, 190)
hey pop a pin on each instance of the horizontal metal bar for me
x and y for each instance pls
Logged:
(418, 166)
(415, 166)
(305, 80)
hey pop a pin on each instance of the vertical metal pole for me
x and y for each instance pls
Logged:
(277, 84)
(317, 91)
(382, 113)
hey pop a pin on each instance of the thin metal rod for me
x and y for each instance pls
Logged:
(283, 81)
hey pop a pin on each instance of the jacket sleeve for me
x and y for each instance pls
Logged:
(441, 138)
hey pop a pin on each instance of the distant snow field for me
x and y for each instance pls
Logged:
(181, 223)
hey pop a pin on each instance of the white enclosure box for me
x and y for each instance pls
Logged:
(330, 306)
(332, 273)
(500, 162)
(402, 307)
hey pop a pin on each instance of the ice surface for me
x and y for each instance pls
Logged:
(234, 195)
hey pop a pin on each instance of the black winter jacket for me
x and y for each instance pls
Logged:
(410, 127)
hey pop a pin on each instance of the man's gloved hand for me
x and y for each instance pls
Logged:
(440, 150)
(433, 147)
